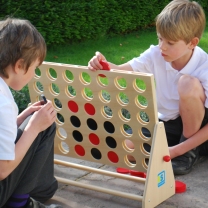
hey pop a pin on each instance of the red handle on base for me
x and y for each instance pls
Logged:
(166, 158)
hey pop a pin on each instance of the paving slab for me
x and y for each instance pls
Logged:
(196, 195)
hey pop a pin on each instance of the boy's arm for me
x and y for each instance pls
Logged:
(21, 148)
(39, 121)
(194, 141)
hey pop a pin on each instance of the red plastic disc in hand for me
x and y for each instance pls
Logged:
(180, 187)
(122, 170)
(105, 65)
(137, 173)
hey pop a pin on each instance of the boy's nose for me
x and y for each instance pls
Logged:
(163, 46)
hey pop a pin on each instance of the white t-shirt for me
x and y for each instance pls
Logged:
(8, 122)
(166, 77)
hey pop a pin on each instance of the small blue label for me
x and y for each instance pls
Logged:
(161, 179)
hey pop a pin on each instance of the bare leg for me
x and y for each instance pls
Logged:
(192, 111)
(191, 104)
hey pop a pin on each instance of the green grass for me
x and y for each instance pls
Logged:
(118, 50)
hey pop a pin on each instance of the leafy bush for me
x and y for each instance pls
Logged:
(22, 98)
(67, 21)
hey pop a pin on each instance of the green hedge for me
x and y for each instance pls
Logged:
(64, 21)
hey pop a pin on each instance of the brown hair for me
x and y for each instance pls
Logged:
(181, 20)
(19, 39)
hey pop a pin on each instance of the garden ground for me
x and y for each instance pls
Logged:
(75, 197)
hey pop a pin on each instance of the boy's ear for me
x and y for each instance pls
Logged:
(194, 42)
(19, 65)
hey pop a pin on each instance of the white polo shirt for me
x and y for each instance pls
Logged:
(167, 77)
(8, 122)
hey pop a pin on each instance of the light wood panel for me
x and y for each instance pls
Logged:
(86, 130)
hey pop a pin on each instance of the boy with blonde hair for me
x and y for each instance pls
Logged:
(180, 69)
(27, 139)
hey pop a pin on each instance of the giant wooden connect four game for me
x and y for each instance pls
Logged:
(95, 111)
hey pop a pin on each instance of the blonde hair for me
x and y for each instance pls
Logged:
(181, 20)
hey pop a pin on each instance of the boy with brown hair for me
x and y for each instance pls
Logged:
(27, 139)
(180, 69)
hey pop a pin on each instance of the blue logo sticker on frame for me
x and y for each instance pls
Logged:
(161, 179)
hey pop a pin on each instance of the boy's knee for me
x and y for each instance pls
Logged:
(189, 86)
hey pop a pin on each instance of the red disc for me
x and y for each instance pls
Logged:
(180, 187)
(137, 173)
(89, 108)
(113, 157)
(122, 170)
(79, 150)
(94, 139)
(73, 106)
(101, 75)
(105, 65)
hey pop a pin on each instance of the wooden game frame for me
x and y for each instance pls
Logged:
(159, 183)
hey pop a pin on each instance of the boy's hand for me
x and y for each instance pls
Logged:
(173, 152)
(43, 118)
(94, 63)
(28, 111)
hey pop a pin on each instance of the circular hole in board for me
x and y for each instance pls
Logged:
(63, 147)
(106, 112)
(145, 134)
(141, 102)
(37, 73)
(85, 78)
(51, 73)
(122, 99)
(102, 80)
(59, 119)
(143, 118)
(38, 87)
(57, 104)
(68, 76)
(61, 133)
(124, 115)
(104, 96)
(128, 145)
(120, 83)
(145, 163)
(126, 130)
(54, 89)
(145, 149)
(130, 161)
(70, 91)
(139, 85)
(87, 94)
